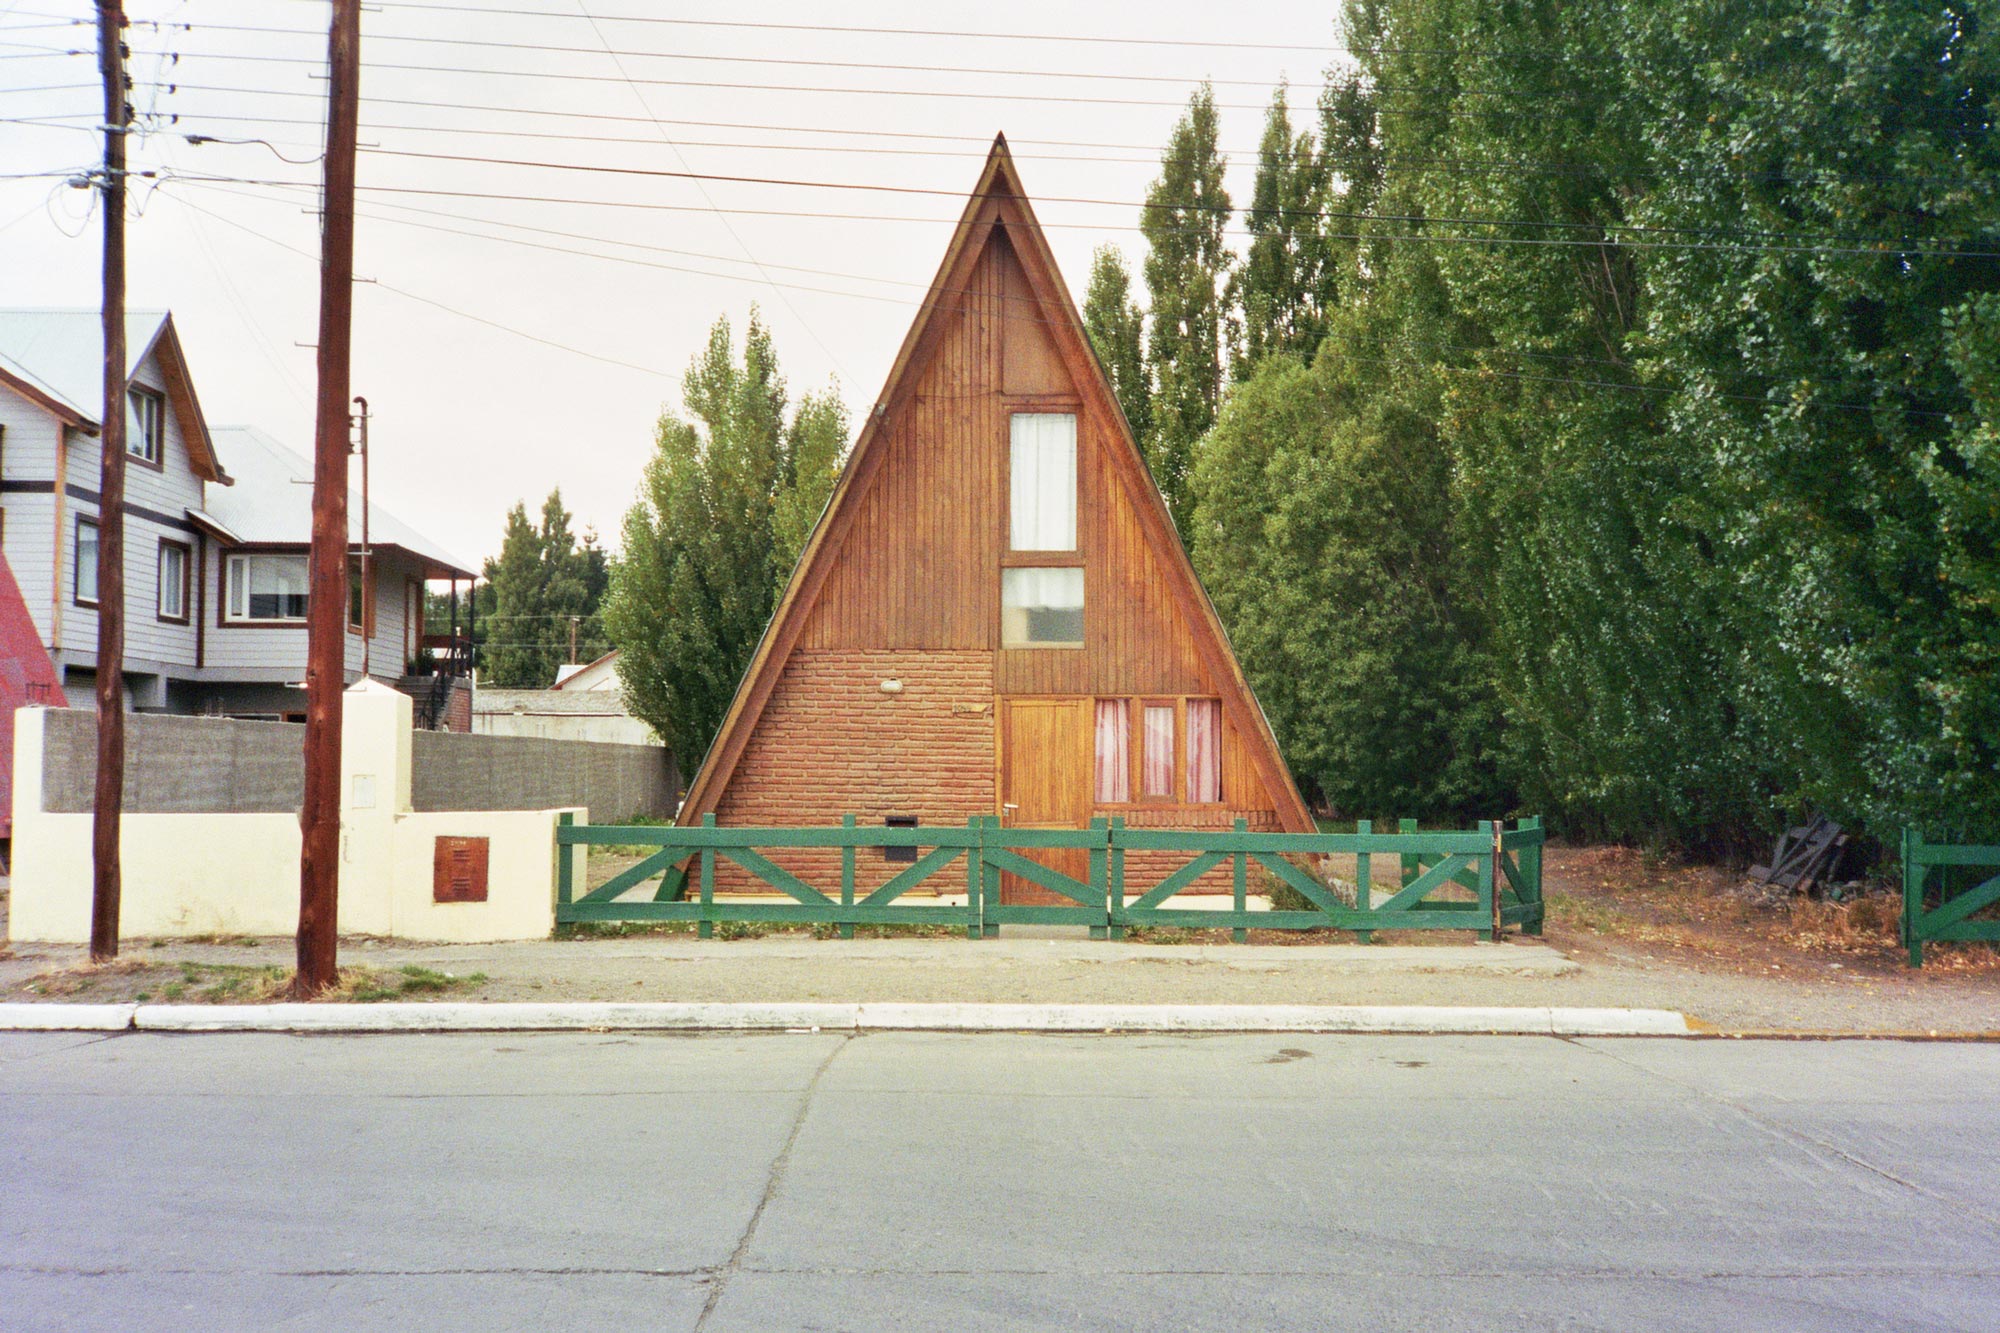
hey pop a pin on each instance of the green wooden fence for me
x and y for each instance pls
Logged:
(1942, 906)
(1485, 880)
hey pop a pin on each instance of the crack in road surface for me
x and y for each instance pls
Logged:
(734, 1265)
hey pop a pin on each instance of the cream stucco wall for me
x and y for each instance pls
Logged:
(192, 874)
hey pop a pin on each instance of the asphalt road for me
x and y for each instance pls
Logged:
(995, 1182)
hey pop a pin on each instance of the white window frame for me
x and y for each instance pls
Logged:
(96, 560)
(1041, 482)
(236, 588)
(1012, 581)
(145, 423)
(177, 612)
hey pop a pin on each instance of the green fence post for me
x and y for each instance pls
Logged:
(989, 878)
(847, 878)
(1116, 889)
(1100, 853)
(975, 902)
(1242, 899)
(1364, 882)
(1489, 893)
(705, 928)
(1913, 895)
(1531, 874)
(565, 866)
(1412, 863)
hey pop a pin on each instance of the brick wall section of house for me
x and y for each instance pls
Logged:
(832, 742)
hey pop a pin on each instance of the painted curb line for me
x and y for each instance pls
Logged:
(720, 1017)
(19, 1017)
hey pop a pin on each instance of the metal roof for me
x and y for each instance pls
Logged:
(271, 503)
(61, 352)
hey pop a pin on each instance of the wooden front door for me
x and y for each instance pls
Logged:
(1045, 783)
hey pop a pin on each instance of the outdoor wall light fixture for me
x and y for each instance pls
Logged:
(892, 687)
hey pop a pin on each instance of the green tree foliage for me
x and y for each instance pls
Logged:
(728, 499)
(1323, 528)
(1117, 330)
(1187, 276)
(544, 588)
(1714, 413)
(1285, 287)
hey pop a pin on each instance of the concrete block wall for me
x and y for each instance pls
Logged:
(176, 765)
(199, 872)
(460, 771)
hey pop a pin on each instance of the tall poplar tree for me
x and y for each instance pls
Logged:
(726, 503)
(1117, 330)
(1286, 284)
(1187, 276)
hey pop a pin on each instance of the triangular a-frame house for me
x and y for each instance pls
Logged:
(995, 614)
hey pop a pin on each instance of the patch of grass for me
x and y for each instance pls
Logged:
(741, 930)
(361, 986)
(424, 981)
(618, 930)
(919, 930)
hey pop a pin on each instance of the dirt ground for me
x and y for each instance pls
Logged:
(1645, 933)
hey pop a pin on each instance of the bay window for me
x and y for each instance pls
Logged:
(265, 587)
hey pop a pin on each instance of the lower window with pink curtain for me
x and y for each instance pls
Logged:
(1204, 751)
(1157, 775)
(1113, 784)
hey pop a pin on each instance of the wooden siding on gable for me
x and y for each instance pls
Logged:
(919, 567)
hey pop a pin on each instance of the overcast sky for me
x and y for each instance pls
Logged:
(470, 414)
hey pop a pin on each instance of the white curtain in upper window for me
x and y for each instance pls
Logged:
(1042, 482)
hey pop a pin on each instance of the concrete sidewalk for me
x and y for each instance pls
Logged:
(449, 1016)
(1048, 967)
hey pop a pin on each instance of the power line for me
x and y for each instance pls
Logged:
(1033, 302)
(719, 215)
(1332, 349)
(698, 57)
(1310, 92)
(440, 305)
(1887, 250)
(744, 25)
(1148, 205)
(1071, 99)
(1397, 165)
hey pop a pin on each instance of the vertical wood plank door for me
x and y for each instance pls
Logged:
(1045, 783)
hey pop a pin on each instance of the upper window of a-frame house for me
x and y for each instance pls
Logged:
(1041, 607)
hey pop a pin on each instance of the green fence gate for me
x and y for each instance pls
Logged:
(1484, 880)
(1942, 906)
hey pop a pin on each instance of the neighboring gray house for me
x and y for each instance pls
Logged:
(216, 531)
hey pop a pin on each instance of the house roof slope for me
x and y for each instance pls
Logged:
(55, 356)
(271, 504)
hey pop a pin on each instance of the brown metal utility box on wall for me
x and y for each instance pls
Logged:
(458, 870)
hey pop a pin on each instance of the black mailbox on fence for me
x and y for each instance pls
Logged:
(904, 854)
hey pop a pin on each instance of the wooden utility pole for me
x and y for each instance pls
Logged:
(107, 885)
(326, 601)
